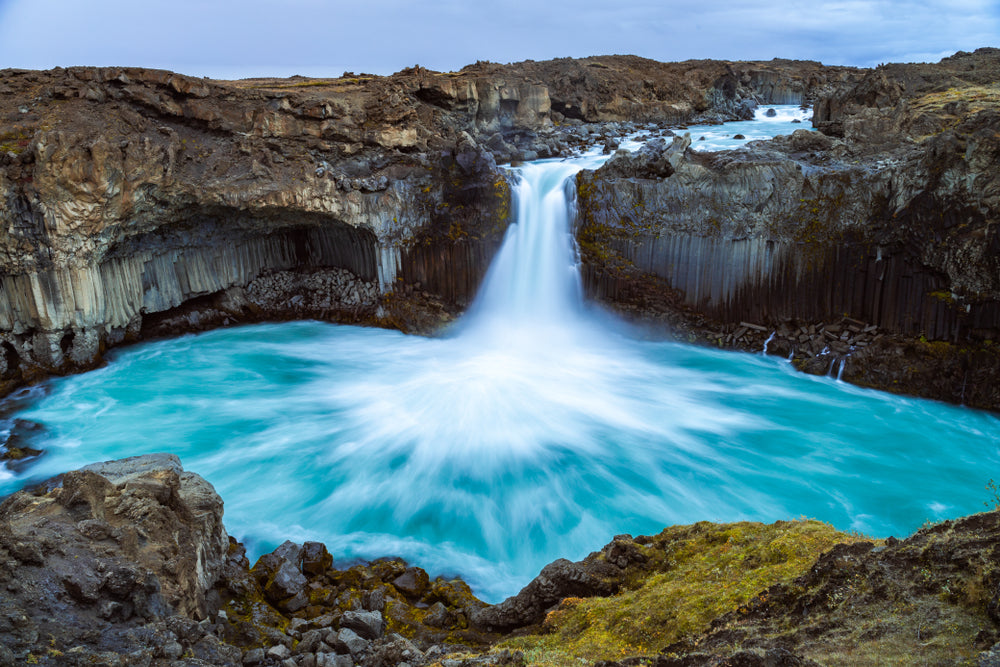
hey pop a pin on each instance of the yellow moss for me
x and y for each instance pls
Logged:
(403, 619)
(501, 189)
(977, 98)
(16, 140)
(943, 295)
(939, 349)
(705, 570)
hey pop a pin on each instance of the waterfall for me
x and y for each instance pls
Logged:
(532, 432)
(534, 281)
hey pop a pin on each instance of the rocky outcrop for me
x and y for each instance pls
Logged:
(629, 88)
(139, 192)
(890, 223)
(932, 596)
(600, 574)
(127, 562)
(95, 555)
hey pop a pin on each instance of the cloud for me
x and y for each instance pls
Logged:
(325, 37)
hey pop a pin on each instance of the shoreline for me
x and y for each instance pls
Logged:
(711, 579)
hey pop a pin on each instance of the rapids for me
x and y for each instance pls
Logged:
(537, 428)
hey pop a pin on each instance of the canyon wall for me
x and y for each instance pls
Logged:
(140, 202)
(887, 217)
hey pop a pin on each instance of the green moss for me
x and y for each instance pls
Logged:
(700, 572)
(18, 453)
(402, 618)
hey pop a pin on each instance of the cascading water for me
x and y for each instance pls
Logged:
(532, 432)
(534, 279)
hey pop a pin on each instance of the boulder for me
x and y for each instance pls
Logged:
(315, 558)
(125, 542)
(557, 580)
(348, 642)
(368, 624)
(412, 583)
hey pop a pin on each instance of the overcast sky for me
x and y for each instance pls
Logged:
(225, 39)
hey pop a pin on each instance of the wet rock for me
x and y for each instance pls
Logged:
(556, 581)
(624, 552)
(280, 579)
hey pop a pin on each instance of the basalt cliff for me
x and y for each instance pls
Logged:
(137, 203)
(868, 247)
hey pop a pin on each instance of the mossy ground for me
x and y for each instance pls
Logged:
(700, 572)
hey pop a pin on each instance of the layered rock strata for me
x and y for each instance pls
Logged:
(140, 202)
(887, 216)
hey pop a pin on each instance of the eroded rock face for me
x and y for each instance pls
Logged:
(885, 218)
(140, 202)
(859, 596)
(93, 555)
(140, 192)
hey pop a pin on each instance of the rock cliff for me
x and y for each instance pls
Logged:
(140, 202)
(887, 217)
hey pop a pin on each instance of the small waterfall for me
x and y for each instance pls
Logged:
(768, 342)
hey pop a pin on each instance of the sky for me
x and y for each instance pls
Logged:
(225, 39)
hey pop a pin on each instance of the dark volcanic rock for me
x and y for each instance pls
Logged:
(138, 203)
(368, 624)
(601, 573)
(854, 590)
(412, 583)
(113, 547)
(888, 225)
(85, 580)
